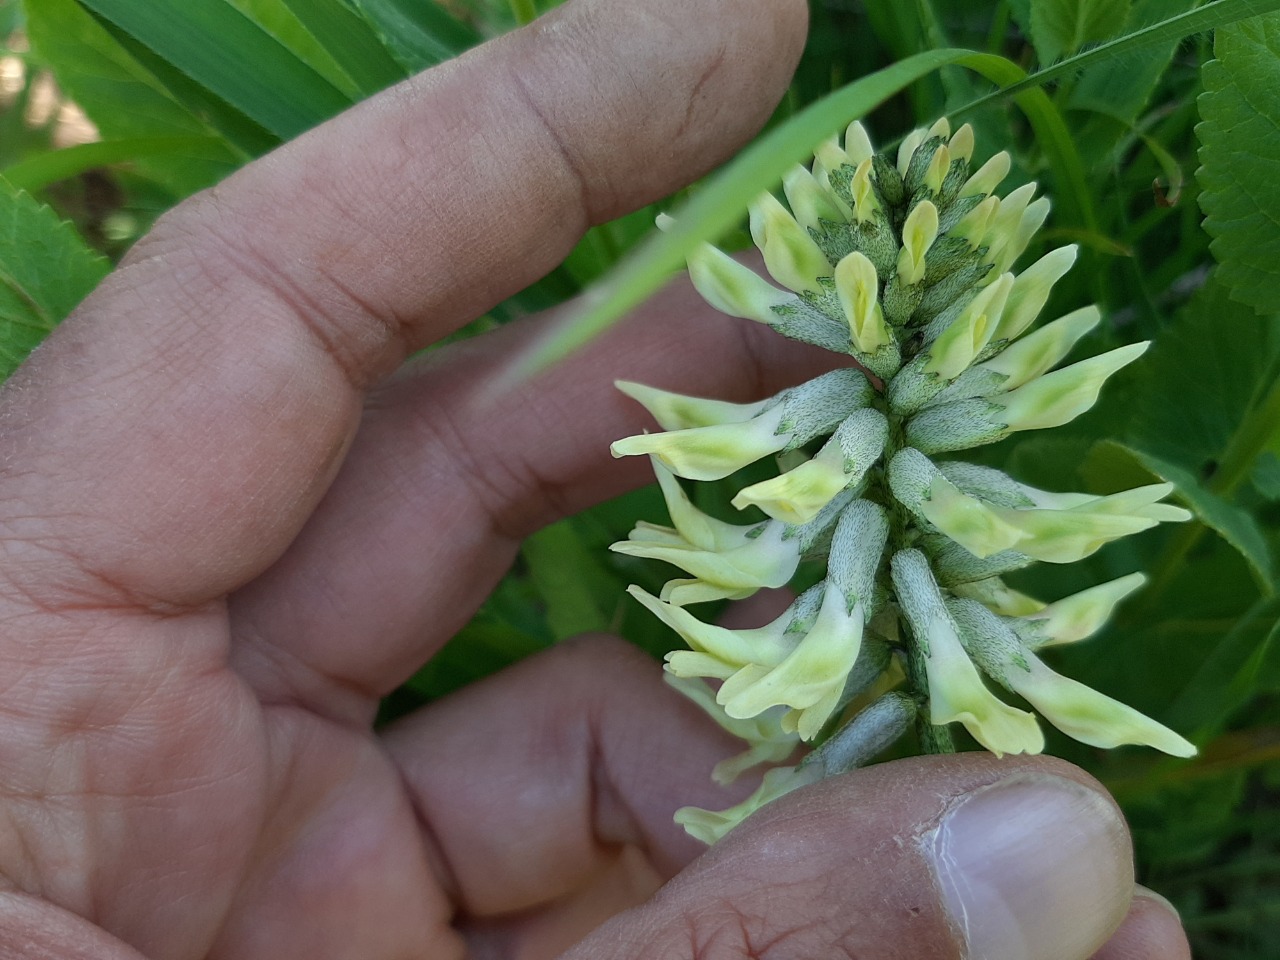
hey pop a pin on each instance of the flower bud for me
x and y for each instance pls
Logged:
(1031, 290)
(956, 691)
(675, 411)
(862, 194)
(1038, 352)
(767, 742)
(710, 826)
(918, 234)
(810, 203)
(710, 453)
(907, 149)
(790, 254)
(1076, 617)
(988, 176)
(939, 167)
(732, 288)
(857, 287)
(1032, 219)
(857, 145)
(974, 226)
(966, 337)
(1004, 229)
(830, 156)
(1059, 397)
(798, 495)
(961, 144)
(1076, 710)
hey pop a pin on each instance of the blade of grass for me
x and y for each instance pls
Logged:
(226, 52)
(351, 40)
(245, 134)
(419, 33)
(275, 17)
(40, 171)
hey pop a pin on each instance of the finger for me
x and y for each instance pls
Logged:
(34, 928)
(534, 779)
(200, 401)
(942, 857)
(1151, 931)
(430, 507)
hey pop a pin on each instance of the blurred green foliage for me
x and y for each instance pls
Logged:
(182, 92)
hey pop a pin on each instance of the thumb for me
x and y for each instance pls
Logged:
(938, 857)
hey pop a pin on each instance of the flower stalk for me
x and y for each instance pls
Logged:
(905, 266)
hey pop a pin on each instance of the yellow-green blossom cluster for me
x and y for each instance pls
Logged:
(905, 265)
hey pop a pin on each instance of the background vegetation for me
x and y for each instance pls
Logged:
(1155, 125)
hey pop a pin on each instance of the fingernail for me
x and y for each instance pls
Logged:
(1147, 893)
(1035, 867)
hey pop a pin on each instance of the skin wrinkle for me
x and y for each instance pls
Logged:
(584, 209)
(694, 95)
(512, 496)
(329, 327)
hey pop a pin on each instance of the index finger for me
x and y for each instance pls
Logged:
(172, 436)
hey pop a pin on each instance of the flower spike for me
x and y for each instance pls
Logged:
(905, 266)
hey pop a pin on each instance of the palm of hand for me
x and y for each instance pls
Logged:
(189, 762)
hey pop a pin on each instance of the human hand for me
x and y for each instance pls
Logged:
(211, 577)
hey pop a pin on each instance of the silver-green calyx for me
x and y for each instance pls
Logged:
(905, 265)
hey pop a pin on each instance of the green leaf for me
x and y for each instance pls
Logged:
(1234, 524)
(1020, 10)
(123, 98)
(45, 271)
(1202, 411)
(1061, 27)
(1154, 36)
(1200, 382)
(420, 33)
(579, 593)
(481, 648)
(223, 50)
(1240, 157)
(1232, 672)
(1266, 475)
(1122, 86)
